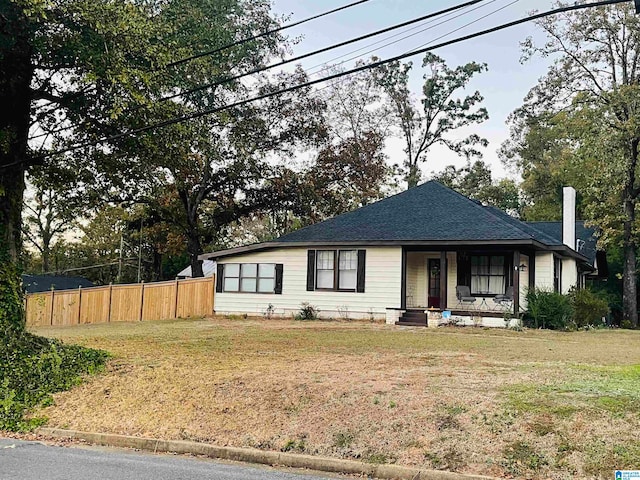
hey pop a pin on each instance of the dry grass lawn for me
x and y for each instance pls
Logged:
(533, 404)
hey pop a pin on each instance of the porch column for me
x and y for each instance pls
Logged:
(516, 282)
(532, 269)
(443, 280)
(403, 281)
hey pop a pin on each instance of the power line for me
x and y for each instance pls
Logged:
(361, 68)
(400, 39)
(256, 37)
(88, 267)
(299, 57)
(237, 43)
(433, 39)
(472, 22)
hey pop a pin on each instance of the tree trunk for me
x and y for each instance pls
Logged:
(629, 274)
(194, 249)
(156, 274)
(46, 263)
(16, 72)
(413, 175)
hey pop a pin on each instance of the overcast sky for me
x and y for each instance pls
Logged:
(503, 86)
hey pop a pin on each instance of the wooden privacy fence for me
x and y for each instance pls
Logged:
(122, 303)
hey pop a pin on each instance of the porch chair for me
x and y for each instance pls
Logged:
(505, 301)
(463, 294)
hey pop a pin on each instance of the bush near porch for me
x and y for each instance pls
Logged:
(579, 309)
(534, 404)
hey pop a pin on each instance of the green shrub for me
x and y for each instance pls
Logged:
(548, 309)
(32, 368)
(307, 312)
(588, 307)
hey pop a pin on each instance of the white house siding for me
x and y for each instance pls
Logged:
(382, 286)
(569, 274)
(416, 279)
(544, 270)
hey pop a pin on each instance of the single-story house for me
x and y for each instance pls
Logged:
(426, 248)
(45, 283)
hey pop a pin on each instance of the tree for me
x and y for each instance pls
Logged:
(51, 210)
(213, 171)
(97, 68)
(593, 84)
(355, 106)
(428, 122)
(474, 180)
(540, 148)
(346, 176)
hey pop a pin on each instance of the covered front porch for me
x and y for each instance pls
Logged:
(488, 281)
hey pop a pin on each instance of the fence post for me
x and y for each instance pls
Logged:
(141, 299)
(53, 297)
(175, 304)
(110, 300)
(79, 302)
(213, 294)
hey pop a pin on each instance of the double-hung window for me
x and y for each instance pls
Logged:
(336, 270)
(488, 274)
(249, 277)
(557, 274)
(347, 269)
(325, 269)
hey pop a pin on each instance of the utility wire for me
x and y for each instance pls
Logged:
(300, 57)
(428, 43)
(470, 23)
(361, 68)
(270, 32)
(400, 39)
(246, 40)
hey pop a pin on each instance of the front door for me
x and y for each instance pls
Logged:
(433, 289)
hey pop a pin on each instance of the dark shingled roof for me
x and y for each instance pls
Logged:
(429, 212)
(43, 283)
(584, 233)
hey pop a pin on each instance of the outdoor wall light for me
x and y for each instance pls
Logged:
(521, 268)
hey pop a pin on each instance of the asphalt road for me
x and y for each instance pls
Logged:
(20, 460)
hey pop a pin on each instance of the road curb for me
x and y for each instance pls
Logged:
(250, 455)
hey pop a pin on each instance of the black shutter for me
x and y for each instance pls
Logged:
(278, 286)
(311, 270)
(219, 278)
(508, 270)
(362, 261)
(464, 269)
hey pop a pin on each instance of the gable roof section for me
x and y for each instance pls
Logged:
(429, 212)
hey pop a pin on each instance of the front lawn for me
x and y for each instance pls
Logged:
(533, 404)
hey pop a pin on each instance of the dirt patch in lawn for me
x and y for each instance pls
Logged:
(524, 404)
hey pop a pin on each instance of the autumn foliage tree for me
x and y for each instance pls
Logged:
(589, 100)
(430, 119)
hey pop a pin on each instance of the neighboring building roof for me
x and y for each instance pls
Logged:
(43, 283)
(208, 268)
(428, 214)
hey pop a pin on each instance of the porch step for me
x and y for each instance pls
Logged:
(413, 317)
